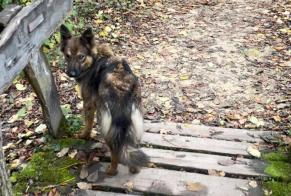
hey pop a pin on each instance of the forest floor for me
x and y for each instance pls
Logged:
(218, 63)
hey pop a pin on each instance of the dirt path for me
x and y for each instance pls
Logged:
(211, 64)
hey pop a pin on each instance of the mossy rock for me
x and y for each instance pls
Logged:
(43, 169)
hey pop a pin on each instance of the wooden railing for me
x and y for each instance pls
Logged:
(20, 43)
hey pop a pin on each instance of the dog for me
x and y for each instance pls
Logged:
(109, 87)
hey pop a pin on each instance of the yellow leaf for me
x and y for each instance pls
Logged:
(129, 185)
(78, 90)
(103, 33)
(195, 186)
(277, 118)
(107, 29)
(185, 77)
(20, 87)
(254, 152)
(183, 33)
(98, 21)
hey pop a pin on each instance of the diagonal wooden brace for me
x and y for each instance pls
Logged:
(41, 79)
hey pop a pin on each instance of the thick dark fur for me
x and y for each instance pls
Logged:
(109, 86)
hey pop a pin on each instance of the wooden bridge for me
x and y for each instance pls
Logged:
(185, 159)
(188, 160)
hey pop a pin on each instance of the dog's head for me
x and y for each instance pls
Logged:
(78, 51)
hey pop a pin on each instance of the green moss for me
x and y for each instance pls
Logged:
(278, 188)
(44, 169)
(279, 168)
(276, 156)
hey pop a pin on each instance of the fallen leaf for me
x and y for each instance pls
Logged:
(184, 33)
(256, 121)
(195, 186)
(277, 118)
(78, 90)
(54, 192)
(128, 185)
(28, 142)
(40, 128)
(20, 87)
(214, 172)
(84, 186)
(63, 152)
(73, 154)
(184, 77)
(28, 123)
(9, 146)
(253, 184)
(253, 151)
(15, 163)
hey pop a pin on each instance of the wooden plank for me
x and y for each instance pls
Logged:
(204, 162)
(206, 145)
(5, 185)
(7, 14)
(169, 182)
(205, 131)
(97, 193)
(17, 44)
(41, 79)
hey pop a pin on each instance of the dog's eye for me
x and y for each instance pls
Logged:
(82, 57)
(67, 56)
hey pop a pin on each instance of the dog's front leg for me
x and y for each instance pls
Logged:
(89, 111)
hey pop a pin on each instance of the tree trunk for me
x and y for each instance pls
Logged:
(4, 180)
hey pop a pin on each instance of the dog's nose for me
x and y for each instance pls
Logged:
(72, 73)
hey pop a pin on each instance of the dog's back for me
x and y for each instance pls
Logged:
(120, 111)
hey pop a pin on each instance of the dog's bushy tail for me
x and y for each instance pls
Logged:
(122, 138)
(133, 156)
(122, 143)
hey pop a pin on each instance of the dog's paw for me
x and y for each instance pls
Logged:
(134, 170)
(83, 135)
(110, 171)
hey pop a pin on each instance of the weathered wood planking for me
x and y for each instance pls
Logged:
(7, 14)
(41, 79)
(205, 131)
(25, 33)
(97, 193)
(169, 182)
(204, 162)
(206, 145)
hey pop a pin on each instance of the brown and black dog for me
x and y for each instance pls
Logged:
(109, 87)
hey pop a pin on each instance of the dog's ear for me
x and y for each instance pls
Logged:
(87, 37)
(65, 33)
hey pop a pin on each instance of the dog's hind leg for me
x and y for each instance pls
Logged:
(112, 168)
(89, 111)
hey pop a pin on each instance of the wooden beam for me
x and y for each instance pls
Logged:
(204, 131)
(5, 185)
(168, 182)
(193, 144)
(7, 14)
(41, 79)
(98, 193)
(200, 162)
